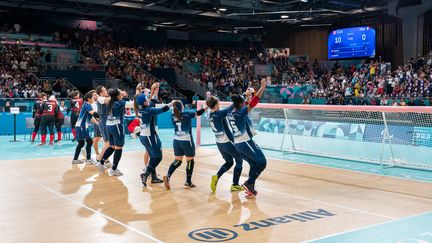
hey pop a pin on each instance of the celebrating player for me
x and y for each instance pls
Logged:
(75, 106)
(86, 115)
(148, 135)
(49, 110)
(183, 143)
(59, 121)
(102, 105)
(224, 141)
(37, 115)
(245, 145)
(115, 129)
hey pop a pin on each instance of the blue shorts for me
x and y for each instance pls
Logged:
(116, 135)
(97, 131)
(229, 151)
(82, 134)
(153, 145)
(184, 148)
(104, 132)
(250, 152)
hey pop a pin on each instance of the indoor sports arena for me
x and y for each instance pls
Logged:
(216, 121)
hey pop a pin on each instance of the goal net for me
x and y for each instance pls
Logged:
(390, 136)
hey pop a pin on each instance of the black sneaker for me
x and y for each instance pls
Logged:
(156, 180)
(144, 178)
(250, 189)
(189, 184)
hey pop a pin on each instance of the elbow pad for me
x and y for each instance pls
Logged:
(96, 115)
(200, 112)
(165, 108)
(255, 100)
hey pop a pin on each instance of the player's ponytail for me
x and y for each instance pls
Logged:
(113, 93)
(177, 109)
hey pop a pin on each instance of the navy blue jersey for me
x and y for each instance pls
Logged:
(183, 127)
(102, 109)
(84, 116)
(219, 125)
(116, 115)
(148, 117)
(240, 125)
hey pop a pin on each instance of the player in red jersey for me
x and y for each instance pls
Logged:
(37, 115)
(59, 121)
(49, 111)
(75, 105)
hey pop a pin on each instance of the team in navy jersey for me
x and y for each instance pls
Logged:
(232, 128)
(86, 115)
(115, 130)
(183, 143)
(225, 143)
(243, 133)
(145, 110)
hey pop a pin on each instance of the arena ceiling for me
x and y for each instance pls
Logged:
(208, 15)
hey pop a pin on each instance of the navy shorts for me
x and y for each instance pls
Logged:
(82, 134)
(228, 151)
(250, 152)
(97, 131)
(153, 145)
(74, 119)
(184, 148)
(104, 132)
(116, 135)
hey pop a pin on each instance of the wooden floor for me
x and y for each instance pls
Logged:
(49, 200)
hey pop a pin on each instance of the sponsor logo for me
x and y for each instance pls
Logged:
(213, 235)
(221, 234)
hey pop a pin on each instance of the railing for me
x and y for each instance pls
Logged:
(72, 66)
(185, 82)
(174, 93)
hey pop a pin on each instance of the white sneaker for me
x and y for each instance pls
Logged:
(112, 172)
(77, 161)
(101, 168)
(90, 162)
(107, 164)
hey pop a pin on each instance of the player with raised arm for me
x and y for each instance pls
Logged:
(145, 110)
(183, 143)
(225, 143)
(102, 106)
(86, 115)
(244, 144)
(37, 115)
(115, 129)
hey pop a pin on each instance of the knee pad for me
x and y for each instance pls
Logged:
(81, 143)
(89, 141)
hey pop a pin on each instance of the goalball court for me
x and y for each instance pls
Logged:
(334, 196)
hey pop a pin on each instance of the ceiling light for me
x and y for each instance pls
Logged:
(304, 1)
(284, 16)
(307, 18)
(223, 9)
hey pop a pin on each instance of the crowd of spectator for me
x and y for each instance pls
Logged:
(225, 69)
(19, 74)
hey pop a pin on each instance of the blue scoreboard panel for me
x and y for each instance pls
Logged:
(351, 43)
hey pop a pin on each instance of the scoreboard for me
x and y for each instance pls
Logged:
(351, 43)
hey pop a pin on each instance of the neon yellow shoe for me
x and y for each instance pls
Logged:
(236, 188)
(213, 183)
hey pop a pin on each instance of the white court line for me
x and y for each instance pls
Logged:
(309, 199)
(82, 205)
(368, 226)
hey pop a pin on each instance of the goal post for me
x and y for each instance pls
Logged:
(386, 135)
